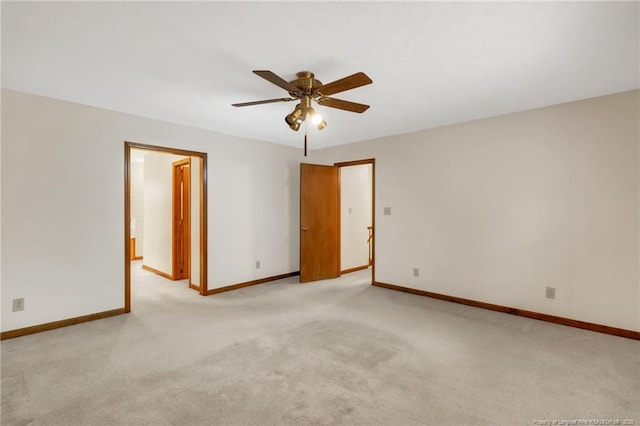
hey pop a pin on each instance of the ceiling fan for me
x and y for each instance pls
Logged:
(307, 88)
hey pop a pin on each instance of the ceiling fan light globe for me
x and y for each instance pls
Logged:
(296, 117)
(289, 120)
(295, 126)
(322, 124)
(316, 119)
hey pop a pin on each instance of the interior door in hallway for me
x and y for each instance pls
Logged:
(181, 219)
(319, 222)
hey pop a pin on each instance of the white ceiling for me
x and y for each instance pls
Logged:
(431, 63)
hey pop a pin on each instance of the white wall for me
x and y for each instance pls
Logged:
(355, 215)
(492, 210)
(497, 209)
(63, 209)
(158, 210)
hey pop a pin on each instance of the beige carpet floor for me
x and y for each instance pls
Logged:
(332, 352)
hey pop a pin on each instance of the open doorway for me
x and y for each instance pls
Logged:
(177, 247)
(356, 218)
(357, 214)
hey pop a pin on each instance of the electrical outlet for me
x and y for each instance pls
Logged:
(18, 304)
(350, 211)
(416, 272)
(550, 293)
(257, 264)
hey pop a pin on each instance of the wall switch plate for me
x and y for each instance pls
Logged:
(387, 211)
(550, 293)
(18, 304)
(257, 264)
(416, 272)
(350, 210)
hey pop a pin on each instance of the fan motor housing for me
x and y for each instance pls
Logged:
(306, 82)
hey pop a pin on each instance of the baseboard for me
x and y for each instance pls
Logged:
(629, 334)
(357, 268)
(193, 286)
(250, 283)
(59, 324)
(156, 271)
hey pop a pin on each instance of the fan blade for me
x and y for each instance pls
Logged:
(266, 101)
(345, 105)
(277, 80)
(351, 82)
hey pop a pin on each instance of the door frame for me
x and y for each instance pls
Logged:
(128, 146)
(371, 161)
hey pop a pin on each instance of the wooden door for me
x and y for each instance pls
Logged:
(181, 219)
(319, 222)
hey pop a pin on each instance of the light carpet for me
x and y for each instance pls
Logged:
(331, 352)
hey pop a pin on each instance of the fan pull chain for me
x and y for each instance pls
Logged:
(305, 144)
